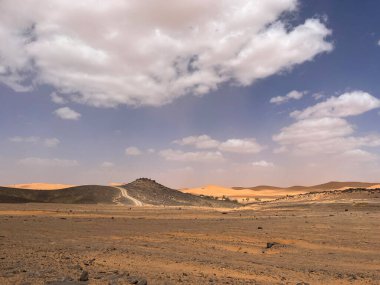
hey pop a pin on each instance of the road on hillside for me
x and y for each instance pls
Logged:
(124, 194)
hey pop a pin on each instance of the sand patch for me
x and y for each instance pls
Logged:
(40, 186)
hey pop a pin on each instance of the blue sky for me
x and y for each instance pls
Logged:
(280, 93)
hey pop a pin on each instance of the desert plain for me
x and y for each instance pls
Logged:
(284, 242)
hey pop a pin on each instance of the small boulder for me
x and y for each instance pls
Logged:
(271, 244)
(84, 276)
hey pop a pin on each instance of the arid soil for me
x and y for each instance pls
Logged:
(325, 243)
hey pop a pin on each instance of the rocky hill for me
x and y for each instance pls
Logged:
(86, 194)
(150, 192)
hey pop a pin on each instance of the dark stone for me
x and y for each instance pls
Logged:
(84, 276)
(271, 244)
(142, 282)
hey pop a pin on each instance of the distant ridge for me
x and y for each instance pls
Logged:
(332, 185)
(336, 195)
(86, 194)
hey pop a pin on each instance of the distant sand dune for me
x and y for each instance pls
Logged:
(40, 186)
(266, 192)
(374, 186)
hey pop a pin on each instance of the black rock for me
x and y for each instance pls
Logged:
(84, 276)
(271, 244)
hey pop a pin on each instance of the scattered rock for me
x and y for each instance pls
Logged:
(136, 280)
(84, 276)
(142, 282)
(271, 244)
(64, 282)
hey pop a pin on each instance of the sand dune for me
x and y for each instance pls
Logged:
(377, 186)
(40, 186)
(243, 195)
(267, 192)
(217, 191)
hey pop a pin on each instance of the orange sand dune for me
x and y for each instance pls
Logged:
(266, 193)
(374, 186)
(40, 186)
(243, 195)
(218, 191)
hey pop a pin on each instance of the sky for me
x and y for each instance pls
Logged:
(193, 92)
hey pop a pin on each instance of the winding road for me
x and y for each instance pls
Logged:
(124, 194)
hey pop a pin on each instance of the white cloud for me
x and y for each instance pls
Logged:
(322, 128)
(51, 142)
(359, 155)
(295, 95)
(57, 99)
(47, 162)
(147, 53)
(201, 142)
(241, 146)
(25, 139)
(196, 156)
(318, 96)
(107, 164)
(67, 113)
(263, 163)
(347, 104)
(48, 142)
(133, 151)
(247, 145)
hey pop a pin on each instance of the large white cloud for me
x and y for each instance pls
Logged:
(322, 128)
(345, 105)
(106, 53)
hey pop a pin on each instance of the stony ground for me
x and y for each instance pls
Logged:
(279, 244)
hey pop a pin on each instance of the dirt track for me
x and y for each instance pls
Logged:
(316, 244)
(124, 193)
